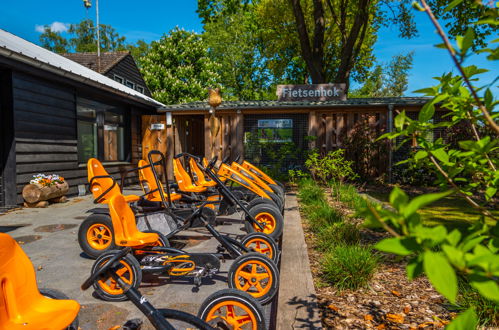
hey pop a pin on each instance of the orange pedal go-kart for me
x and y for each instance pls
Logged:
(96, 232)
(250, 272)
(22, 304)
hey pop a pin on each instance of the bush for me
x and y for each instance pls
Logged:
(349, 266)
(332, 166)
(342, 233)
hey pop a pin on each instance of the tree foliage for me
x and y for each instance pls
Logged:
(177, 68)
(388, 80)
(232, 42)
(82, 38)
(53, 41)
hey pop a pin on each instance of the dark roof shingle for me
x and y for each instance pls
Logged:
(107, 60)
(233, 105)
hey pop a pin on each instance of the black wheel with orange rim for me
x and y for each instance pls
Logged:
(262, 243)
(232, 309)
(269, 217)
(256, 275)
(128, 269)
(96, 235)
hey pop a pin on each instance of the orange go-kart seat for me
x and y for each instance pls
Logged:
(124, 225)
(146, 177)
(201, 179)
(22, 306)
(183, 178)
(100, 185)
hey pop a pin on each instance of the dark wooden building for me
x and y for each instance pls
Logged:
(119, 66)
(56, 113)
(324, 125)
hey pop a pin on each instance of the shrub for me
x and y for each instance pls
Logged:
(332, 166)
(349, 266)
(342, 233)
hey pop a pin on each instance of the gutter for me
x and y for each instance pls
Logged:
(71, 75)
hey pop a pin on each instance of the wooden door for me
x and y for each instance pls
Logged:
(153, 134)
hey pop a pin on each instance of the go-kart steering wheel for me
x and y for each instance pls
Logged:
(93, 277)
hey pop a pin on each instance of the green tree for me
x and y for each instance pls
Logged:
(233, 43)
(84, 37)
(138, 50)
(389, 80)
(53, 41)
(177, 68)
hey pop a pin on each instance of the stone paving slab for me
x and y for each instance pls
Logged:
(60, 264)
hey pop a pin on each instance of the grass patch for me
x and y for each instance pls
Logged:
(310, 193)
(487, 311)
(342, 233)
(347, 194)
(349, 266)
(321, 214)
(452, 212)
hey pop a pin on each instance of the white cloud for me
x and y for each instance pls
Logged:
(54, 27)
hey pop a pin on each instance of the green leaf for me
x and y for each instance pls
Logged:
(455, 256)
(441, 275)
(399, 121)
(397, 245)
(467, 41)
(398, 198)
(414, 267)
(454, 237)
(453, 4)
(420, 155)
(464, 321)
(490, 192)
(487, 287)
(426, 112)
(441, 155)
(424, 200)
(417, 6)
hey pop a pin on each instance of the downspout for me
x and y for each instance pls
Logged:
(390, 147)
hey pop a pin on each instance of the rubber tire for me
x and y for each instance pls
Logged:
(134, 265)
(234, 295)
(278, 191)
(56, 294)
(269, 240)
(280, 185)
(277, 200)
(260, 200)
(162, 238)
(173, 314)
(231, 276)
(261, 208)
(96, 218)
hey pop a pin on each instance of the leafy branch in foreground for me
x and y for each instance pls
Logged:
(468, 169)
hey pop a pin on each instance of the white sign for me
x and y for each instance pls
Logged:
(157, 126)
(110, 128)
(275, 123)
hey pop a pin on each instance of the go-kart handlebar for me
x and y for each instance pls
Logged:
(93, 277)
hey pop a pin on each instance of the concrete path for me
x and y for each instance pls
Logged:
(60, 264)
(297, 306)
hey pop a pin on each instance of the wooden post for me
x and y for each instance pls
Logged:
(238, 135)
(207, 136)
(312, 128)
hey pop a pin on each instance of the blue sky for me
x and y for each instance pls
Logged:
(148, 20)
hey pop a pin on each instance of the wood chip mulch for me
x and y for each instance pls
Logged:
(390, 301)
